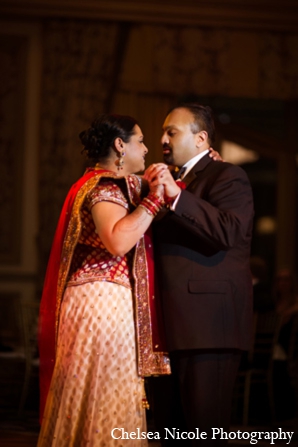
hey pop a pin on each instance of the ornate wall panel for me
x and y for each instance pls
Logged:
(10, 328)
(12, 95)
(211, 62)
(278, 65)
(191, 60)
(77, 72)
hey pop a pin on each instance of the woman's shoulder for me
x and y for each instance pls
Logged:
(107, 189)
(131, 182)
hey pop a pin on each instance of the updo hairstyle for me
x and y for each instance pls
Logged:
(99, 139)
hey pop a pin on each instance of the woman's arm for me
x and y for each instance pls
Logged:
(118, 230)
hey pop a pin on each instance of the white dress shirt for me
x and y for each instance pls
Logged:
(189, 165)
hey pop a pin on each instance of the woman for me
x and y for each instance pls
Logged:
(98, 325)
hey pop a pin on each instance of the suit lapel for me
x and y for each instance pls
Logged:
(200, 166)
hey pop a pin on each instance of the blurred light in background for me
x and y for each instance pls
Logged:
(236, 154)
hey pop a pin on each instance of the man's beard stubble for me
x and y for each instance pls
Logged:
(168, 159)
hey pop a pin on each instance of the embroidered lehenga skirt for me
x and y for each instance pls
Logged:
(95, 387)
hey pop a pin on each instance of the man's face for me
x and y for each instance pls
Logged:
(178, 141)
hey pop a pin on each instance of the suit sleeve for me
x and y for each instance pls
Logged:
(223, 217)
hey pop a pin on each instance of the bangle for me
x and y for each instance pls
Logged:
(152, 204)
(170, 200)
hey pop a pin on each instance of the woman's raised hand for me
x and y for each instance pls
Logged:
(159, 174)
(215, 155)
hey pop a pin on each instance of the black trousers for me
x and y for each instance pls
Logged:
(195, 398)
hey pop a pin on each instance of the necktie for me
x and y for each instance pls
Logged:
(181, 172)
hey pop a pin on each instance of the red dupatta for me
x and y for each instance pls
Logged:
(152, 360)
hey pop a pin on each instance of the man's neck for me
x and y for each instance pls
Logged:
(193, 161)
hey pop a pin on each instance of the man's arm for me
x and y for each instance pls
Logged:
(222, 218)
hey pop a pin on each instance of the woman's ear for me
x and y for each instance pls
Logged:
(118, 143)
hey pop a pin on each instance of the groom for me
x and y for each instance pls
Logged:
(202, 248)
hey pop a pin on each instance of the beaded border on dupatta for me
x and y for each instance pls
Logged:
(149, 362)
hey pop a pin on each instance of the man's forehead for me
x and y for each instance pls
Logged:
(169, 126)
(177, 118)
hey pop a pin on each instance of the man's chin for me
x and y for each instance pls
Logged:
(168, 159)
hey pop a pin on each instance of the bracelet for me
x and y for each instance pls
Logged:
(152, 204)
(170, 200)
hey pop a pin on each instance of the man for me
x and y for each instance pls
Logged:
(202, 246)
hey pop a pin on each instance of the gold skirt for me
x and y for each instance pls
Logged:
(95, 388)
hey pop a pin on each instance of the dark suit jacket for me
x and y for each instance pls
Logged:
(202, 258)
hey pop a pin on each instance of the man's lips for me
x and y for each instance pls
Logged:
(167, 150)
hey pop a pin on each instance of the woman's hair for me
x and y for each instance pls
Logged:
(99, 139)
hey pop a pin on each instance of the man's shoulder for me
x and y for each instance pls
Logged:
(225, 166)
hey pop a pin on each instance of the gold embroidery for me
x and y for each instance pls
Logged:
(108, 192)
(71, 238)
(149, 362)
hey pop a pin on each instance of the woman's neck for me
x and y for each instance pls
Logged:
(111, 166)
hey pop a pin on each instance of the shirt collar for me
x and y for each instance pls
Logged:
(193, 161)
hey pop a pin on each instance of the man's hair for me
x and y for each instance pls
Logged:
(203, 119)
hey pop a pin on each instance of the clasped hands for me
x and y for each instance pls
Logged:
(161, 181)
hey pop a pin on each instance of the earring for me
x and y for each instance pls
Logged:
(121, 161)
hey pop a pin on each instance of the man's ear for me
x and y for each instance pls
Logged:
(202, 138)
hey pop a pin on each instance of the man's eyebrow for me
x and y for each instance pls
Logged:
(171, 126)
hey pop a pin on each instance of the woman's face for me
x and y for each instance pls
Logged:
(135, 151)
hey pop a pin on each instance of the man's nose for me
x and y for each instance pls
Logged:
(164, 139)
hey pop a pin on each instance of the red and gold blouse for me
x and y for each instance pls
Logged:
(91, 260)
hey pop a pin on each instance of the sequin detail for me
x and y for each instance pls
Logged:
(149, 362)
(91, 260)
(107, 191)
(95, 386)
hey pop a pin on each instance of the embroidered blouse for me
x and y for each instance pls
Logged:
(91, 260)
